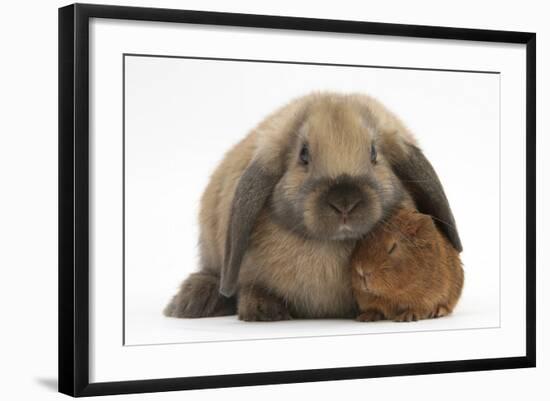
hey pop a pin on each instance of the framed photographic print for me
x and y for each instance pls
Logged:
(251, 199)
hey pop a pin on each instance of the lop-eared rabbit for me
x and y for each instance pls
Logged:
(283, 211)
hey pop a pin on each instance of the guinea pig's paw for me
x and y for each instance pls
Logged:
(440, 311)
(256, 304)
(199, 297)
(406, 316)
(370, 315)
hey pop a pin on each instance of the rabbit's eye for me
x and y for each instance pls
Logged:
(304, 155)
(392, 248)
(373, 154)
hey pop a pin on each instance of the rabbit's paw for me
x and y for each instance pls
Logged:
(199, 297)
(256, 304)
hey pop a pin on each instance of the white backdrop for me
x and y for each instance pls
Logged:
(182, 115)
(28, 208)
(110, 361)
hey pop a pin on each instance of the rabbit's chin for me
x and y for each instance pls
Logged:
(347, 232)
(350, 231)
(345, 237)
(338, 232)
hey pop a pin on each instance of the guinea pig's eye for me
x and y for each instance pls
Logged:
(392, 248)
(373, 153)
(304, 155)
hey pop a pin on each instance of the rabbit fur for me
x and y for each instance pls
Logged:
(284, 209)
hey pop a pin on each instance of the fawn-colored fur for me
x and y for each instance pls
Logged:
(284, 209)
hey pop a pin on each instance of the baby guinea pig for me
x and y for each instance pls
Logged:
(406, 270)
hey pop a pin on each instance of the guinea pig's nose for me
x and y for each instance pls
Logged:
(344, 198)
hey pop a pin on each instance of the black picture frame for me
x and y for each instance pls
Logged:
(74, 198)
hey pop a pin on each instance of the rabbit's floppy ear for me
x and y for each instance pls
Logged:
(253, 189)
(420, 179)
(256, 185)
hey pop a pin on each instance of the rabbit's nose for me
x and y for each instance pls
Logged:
(344, 208)
(343, 199)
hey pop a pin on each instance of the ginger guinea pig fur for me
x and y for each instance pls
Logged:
(406, 270)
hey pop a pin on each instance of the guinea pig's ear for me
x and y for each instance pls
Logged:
(420, 179)
(253, 189)
(418, 223)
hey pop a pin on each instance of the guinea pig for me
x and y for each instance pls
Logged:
(284, 209)
(406, 270)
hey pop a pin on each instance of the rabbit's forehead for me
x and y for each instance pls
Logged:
(339, 140)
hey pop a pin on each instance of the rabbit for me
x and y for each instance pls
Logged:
(284, 209)
(406, 270)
